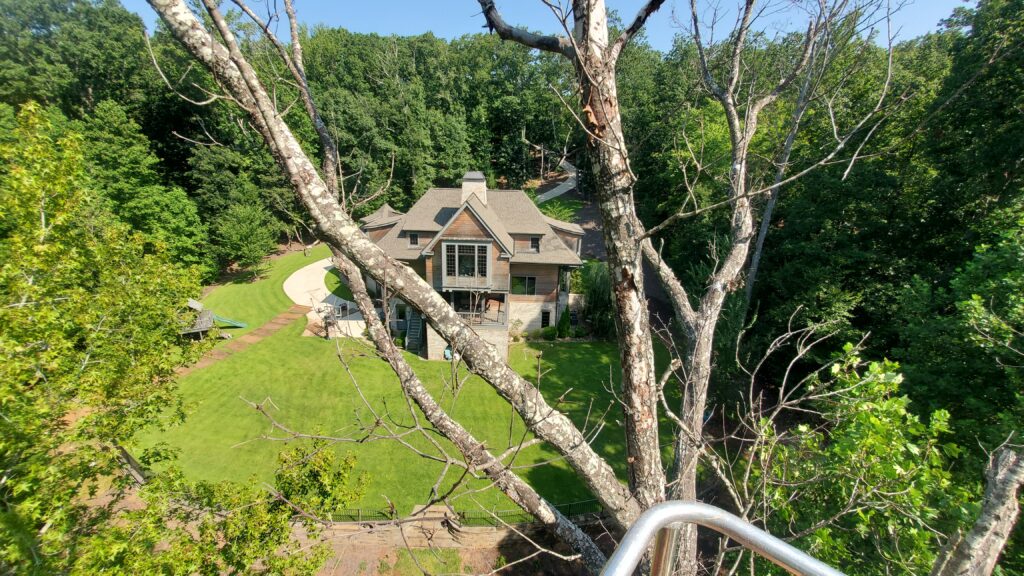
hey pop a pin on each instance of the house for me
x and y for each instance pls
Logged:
(500, 262)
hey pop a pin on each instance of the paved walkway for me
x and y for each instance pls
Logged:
(242, 342)
(306, 287)
(566, 186)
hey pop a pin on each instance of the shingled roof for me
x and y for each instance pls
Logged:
(487, 217)
(381, 216)
(503, 212)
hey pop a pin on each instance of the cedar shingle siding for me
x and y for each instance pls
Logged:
(466, 225)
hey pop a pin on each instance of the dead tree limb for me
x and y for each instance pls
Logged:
(976, 553)
(472, 450)
(235, 74)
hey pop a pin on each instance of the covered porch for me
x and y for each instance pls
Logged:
(479, 308)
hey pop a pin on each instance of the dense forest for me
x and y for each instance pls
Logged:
(916, 252)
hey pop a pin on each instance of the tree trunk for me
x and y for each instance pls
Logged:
(234, 73)
(605, 141)
(976, 553)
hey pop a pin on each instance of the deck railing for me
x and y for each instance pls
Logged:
(481, 282)
(497, 281)
(488, 318)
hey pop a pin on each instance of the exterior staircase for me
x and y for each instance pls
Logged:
(414, 335)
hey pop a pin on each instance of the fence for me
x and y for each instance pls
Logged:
(359, 515)
(496, 518)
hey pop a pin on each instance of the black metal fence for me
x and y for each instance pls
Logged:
(572, 510)
(477, 517)
(360, 515)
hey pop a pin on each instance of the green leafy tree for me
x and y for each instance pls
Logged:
(964, 344)
(246, 234)
(863, 484)
(312, 478)
(125, 170)
(88, 340)
(189, 527)
(71, 53)
(597, 299)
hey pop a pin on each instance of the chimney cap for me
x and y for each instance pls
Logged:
(475, 176)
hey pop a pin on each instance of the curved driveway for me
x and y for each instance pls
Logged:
(306, 286)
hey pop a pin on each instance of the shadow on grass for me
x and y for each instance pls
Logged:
(579, 378)
(337, 286)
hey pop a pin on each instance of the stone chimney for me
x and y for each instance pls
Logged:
(474, 183)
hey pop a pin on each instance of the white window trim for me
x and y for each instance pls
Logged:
(446, 244)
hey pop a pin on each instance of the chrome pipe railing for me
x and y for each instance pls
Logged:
(662, 521)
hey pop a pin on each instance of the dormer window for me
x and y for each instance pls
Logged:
(414, 239)
(535, 244)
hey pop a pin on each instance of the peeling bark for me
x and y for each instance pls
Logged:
(234, 74)
(473, 451)
(976, 553)
(595, 72)
(594, 59)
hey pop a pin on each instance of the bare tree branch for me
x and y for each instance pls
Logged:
(495, 23)
(338, 229)
(645, 12)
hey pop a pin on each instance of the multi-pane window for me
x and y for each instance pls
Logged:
(481, 261)
(535, 244)
(524, 285)
(414, 239)
(467, 264)
(449, 264)
(466, 260)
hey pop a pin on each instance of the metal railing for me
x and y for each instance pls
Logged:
(495, 318)
(465, 282)
(663, 522)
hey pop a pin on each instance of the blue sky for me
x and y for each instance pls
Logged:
(453, 18)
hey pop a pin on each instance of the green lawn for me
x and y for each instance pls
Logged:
(561, 208)
(307, 389)
(310, 391)
(255, 303)
(335, 285)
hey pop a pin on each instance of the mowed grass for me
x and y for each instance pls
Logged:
(305, 386)
(256, 302)
(336, 286)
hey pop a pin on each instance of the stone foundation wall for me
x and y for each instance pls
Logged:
(497, 336)
(529, 314)
(435, 344)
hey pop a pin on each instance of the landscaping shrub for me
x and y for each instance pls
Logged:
(517, 331)
(549, 333)
(576, 279)
(597, 299)
(563, 324)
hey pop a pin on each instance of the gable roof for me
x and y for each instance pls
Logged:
(569, 227)
(381, 216)
(396, 244)
(487, 218)
(552, 251)
(506, 213)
